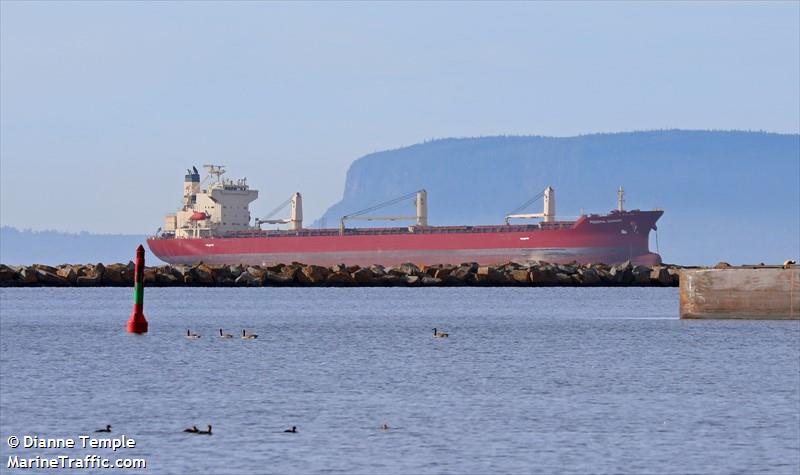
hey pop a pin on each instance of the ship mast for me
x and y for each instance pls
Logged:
(620, 199)
(216, 171)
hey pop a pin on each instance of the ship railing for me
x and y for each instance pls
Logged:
(400, 230)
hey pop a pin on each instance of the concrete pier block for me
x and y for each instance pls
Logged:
(756, 292)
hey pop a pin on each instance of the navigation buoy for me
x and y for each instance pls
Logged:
(137, 323)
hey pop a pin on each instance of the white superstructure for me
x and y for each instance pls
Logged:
(224, 206)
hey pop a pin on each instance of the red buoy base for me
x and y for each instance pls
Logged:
(137, 323)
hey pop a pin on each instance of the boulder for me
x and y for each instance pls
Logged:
(489, 275)
(393, 280)
(412, 279)
(50, 278)
(442, 273)
(408, 268)
(589, 277)
(201, 274)
(246, 279)
(256, 272)
(660, 276)
(340, 277)
(7, 275)
(180, 271)
(312, 275)
(641, 275)
(166, 279)
(464, 274)
(568, 269)
(277, 268)
(377, 270)
(621, 274)
(222, 275)
(285, 277)
(69, 274)
(428, 281)
(564, 279)
(363, 276)
(338, 268)
(721, 265)
(113, 275)
(27, 275)
(45, 268)
(520, 276)
(149, 275)
(88, 280)
(543, 275)
(674, 274)
(235, 271)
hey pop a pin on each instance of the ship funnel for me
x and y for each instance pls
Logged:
(296, 219)
(422, 208)
(191, 186)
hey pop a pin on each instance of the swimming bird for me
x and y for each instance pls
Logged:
(206, 432)
(192, 430)
(107, 429)
(385, 426)
(438, 334)
(251, 336)
(293, 430)
(224, 335)
(192, 336)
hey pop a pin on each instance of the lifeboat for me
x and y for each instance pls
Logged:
(198, 216)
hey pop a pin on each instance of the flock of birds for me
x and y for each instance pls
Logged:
(245, 336)
(251, 336)
(195, 430)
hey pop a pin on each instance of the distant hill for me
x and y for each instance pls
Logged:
(53, 247)
(730, 196)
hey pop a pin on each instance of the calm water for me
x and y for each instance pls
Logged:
(530, 381)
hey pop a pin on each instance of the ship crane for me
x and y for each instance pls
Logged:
(548, 214)
(421, 217)
(296, 217)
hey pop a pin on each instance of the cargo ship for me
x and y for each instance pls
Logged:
(213, 226)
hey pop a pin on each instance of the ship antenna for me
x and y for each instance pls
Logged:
(216, 171)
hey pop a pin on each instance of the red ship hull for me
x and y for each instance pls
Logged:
(612, 238)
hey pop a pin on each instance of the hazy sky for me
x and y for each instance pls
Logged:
(104, 105)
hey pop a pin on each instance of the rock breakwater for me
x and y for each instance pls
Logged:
(538, 274)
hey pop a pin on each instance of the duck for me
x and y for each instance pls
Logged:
(206, 432)
(293, 430)
(245, 336)
(438, 334)
(192, 430)
(107, 429)
(192, 336)
(224, 335)
(384, 426)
